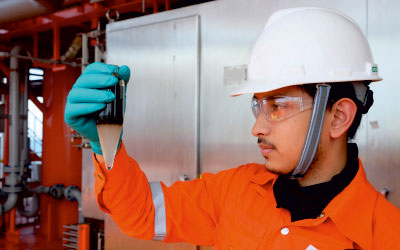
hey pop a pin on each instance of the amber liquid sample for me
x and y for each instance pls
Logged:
(109, 138)
(109, 124)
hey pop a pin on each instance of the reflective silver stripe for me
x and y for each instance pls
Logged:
(160, 220)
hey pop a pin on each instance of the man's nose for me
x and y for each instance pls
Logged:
(262, 126)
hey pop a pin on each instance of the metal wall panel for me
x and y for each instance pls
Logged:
(228, 30)
(382, 144)
(160, 126)
(89, 205)
(161, 121)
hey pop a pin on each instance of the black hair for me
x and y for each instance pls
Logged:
(339, 91)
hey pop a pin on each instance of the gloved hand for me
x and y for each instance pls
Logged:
(87, 96)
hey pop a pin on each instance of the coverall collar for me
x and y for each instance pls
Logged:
(309, 201)
(263, 178)
(351, 217)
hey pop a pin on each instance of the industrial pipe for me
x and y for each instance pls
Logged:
(73, 49)
(85, 51)
(48, 61)
(12, 181)
(40, 190)
(34, 204)
(24, 159)
(10, 202)
(72, 193)
(14, 108)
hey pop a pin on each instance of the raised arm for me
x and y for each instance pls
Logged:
(184, 212)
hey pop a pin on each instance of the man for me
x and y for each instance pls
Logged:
(309, 73)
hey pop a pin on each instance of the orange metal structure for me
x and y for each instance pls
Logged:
(84, 237)
(76, 15)
(61, 163)
(86, 12)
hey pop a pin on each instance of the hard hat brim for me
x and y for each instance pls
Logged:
(253, 87)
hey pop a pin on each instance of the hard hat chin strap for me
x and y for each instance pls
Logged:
(314, 131)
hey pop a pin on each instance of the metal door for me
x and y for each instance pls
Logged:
(161, 120)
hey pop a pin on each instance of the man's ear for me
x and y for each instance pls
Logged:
(342, 116)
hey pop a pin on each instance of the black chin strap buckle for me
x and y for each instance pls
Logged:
(314, 131)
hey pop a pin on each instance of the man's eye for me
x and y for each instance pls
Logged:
(278, 105)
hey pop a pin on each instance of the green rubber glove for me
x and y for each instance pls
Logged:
(87, 97)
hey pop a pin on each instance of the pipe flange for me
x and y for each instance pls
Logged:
(68, 193)
(11, 189)
(11, 169)
(56, 191)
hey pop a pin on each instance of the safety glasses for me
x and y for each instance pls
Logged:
(279, 108)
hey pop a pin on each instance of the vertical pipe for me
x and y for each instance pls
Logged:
(97, 53)
(78, 197)
(14, 109)
(95, 18)
(198, 106)
(24, 111)
(83, 237)
(35, 45)
(12, 220)
(6, 130)
(56, 41)
(155, 6)
(97, 49)
(50, 222)
(85, 51)
(6, 143)
(167, 5)
(12, 178)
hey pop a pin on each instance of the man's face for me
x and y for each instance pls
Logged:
(281, 141)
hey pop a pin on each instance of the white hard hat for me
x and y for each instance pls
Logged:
(308, 45)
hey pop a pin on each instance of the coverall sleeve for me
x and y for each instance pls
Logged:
(191, 209)
(124, 193)
(386, 223)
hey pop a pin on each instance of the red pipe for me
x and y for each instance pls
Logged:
(95, 17)
(35, 45)
(6, 131)
(56, 41)
(155, 6)
(84, 237)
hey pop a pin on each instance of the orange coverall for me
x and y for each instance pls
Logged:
(236, 209)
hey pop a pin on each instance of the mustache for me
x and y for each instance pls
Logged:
(265, 142)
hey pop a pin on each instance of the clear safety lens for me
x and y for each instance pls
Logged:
(278, 108)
